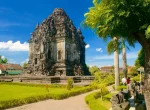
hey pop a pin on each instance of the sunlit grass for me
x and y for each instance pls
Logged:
(8, 92)
(97, 103)
(15, 94)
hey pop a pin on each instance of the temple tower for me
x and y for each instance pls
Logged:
(56, 47)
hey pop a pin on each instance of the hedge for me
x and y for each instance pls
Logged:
(94, 102)
(33, 84)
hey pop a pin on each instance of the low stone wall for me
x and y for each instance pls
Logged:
(85, 80)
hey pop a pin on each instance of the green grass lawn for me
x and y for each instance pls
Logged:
(8, 92)
(15, 94)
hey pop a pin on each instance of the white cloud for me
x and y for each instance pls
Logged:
(90, 66)
(132, 55)
(87, 46)
(11, 61)
(104, 57)
(2, 57)
(99, 50)
(14, 46)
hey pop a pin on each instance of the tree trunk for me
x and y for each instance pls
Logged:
(146, 46)
(147, 78)
(124, 60)
(116, 62)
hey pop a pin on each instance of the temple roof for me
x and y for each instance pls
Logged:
(9, 66)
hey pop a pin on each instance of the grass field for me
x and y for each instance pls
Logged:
(8, 92)
(18, 94)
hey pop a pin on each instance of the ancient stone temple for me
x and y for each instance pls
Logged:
(56, 47)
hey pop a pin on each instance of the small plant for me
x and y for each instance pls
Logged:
(69, 84)
(47, 87)
(103, 90)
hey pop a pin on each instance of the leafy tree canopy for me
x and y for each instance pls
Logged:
(94, 69)
(3, 60)
(133, 71)
(109, 18)
(140, 61)
(24, 64)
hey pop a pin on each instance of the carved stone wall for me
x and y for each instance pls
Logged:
(56, 47)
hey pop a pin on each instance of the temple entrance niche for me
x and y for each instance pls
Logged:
(35, 61)
(59, 55)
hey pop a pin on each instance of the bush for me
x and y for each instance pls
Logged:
(95, 103)
(69, 84)
(95, 85)
(34, 85)
(121, 87)
(108, 96)
(103, 90)
(102, 78)
(137, 78)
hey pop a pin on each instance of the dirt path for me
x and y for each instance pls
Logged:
(72, 103)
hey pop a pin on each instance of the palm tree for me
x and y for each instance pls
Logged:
(113, 46)
(124, 59)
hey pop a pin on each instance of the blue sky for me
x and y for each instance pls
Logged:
(18, 19)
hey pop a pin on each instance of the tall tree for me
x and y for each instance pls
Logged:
(126, 18)
(113, 46)
(124, 59)
(121, 47)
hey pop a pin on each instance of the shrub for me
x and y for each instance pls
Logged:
(34, 85)
(95, 84)
(137, 78)
(103, 90)
(69, 84)
(102, 78)
(94, 102)
(121, 87)
(108, 96)
(108, 79)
